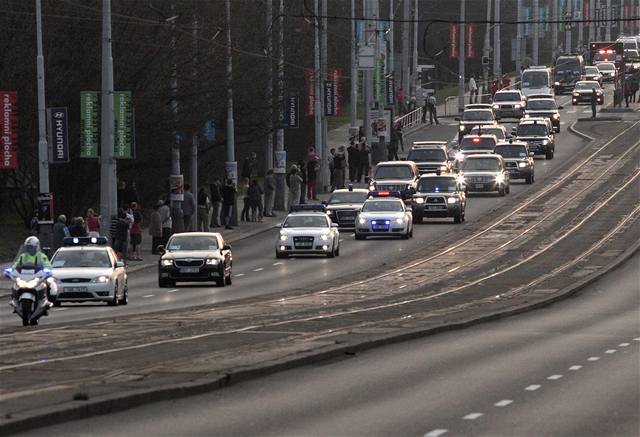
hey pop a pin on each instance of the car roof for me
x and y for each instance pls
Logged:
(346, 190)
(308, 213)
(426, 144)
(390, 163)
(478, 106)
(483, 155)
(535, 120)
(512, 143)
(508, 91)
(483, 109)
(86, 247)
(386, 199)
(492, 136)
(589, 82)
(441, 175)
(197, 234)
(539, 96)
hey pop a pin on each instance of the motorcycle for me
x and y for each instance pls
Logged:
(30, 290)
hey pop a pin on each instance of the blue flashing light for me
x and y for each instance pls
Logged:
(386, 222)
(84, 241)
(373, 222)
(437, 189)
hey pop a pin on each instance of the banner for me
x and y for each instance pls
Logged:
(380, 122)
(329, 95)
(470, 49)
(280, 166)
(176, 187)
(378, 81)
(88, 124)
(57, 122)
(453, 40)
(122, 119)
(292, 111)
(388, 91)
(335, 74)
(9, 130)
(309, 86)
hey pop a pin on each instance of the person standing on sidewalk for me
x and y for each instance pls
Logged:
(204, 211)
(92, 221)
(269, 193)
(165, 219)
(331, 161)
(136, 232)
(365, 159)
(353, 156)
(295, 185)
(312, 178)
(302, 172)
(188, 208)
(433, 110)
(594, 101)
(155, 228)
(216, 201)
(473, 90)
(339, 167)
(228, 193)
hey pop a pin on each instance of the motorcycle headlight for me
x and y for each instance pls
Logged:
(522, 164)
(212, 261)
(452, 200)
(167, 262)
(419, 200)
(362, 221)
(283, 237)
(101, 279)
(21, 283)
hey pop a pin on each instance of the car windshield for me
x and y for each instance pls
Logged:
(629, 45)
(393, 172)
(606, 67)
(437, 185)
(480, 164)
(81, 258)
(477, 115)
(477, 143)
(506, 97)
(591, 70)
(568, 66)
(511, 151)
(382, 205)
(538, 104)
(427, 155)
(535, 79)
(193, 242)
(498, 132)
(305, 221)
(587, 86)
(348, 197)
(531, 129)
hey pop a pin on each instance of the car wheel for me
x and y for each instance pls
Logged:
(221, 282)
(57, 303)
(529, 179)
(338, 250)
(125, 295)
(280, 255)
(114, 302)
(417, 219)
(457, 217)
(405, 236)
(501, 191)
(549, 154)
(359, 237)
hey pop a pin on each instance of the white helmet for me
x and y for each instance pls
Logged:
(32, 245)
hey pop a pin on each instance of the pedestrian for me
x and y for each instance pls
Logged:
(433, 110)
(248, 166)
(135, 231)
(77, 228)
(166, 220)
(339, 167)
(204, 211)
(244, 193)
(120, 234)
(494, 88)
(155, 228)
(128, 217)
(331, 162)
(34, 224)
(473, 90)
(302, 172)
(400, 135)
(295, 185)
(60, 232)
(396, 138)
(312, 178)
(216, 202)
(627, 93)
(594, 101)
(130, 193)
(269, 193)
(353, 157)
(634, 86)
(365, 159)
(254, 194)
(228, 193)
(92, 221)
(506, 82)
(311, 154)
(188, 208)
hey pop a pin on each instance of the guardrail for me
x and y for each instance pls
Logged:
(410, 119)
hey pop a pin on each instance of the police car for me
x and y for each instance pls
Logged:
(343, 205)
(307, 230)
(439, 195)
(384, 214)
(86, 269)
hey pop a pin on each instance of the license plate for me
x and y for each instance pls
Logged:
(189, 270)
(76, 289)
(304, 244)
(479, 185)
(434, 207)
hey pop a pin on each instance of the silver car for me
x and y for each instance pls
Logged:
(308, 233)
(383, 215)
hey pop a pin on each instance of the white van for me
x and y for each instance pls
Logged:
(537, 80)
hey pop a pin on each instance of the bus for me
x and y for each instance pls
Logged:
(537, 80)
(568, 70)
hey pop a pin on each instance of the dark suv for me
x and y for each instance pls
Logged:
(430, 156)
(544, 108)
(518, 161)
(395, 176)
(538, 134)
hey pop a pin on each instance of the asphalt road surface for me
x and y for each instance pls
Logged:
(570, 369)
(258, 272)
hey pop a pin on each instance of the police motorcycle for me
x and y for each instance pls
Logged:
(31, 284)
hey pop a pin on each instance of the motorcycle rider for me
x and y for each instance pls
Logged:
(32, 257)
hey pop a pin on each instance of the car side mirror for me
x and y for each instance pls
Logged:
(160, 250)
(119, 264)
(334, 225)
(367, 180)
(457, 119)
(560, 107)
(226, 247)
(532, 154)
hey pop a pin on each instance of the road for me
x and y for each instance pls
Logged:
(570, 369)
(257, 272)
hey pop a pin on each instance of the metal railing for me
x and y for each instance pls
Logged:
(410, 119)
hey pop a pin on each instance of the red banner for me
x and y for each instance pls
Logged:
(335, 74)
(310, 87)
(470, 50)
(587, 12)
(453, 40)
(9, 130)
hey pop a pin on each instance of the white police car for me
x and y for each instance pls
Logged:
(384, 214)
(307, 230)
(86, 269)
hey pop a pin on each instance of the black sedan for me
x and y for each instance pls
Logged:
(583, 90)
(195, 257)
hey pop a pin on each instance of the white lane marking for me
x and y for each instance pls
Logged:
(610, 351)
(402, 286)
(637, 339)
(576, 367)
(341, 240)
(503, 403)
(277, 264)
(172, 291)
(472, 416)
(554, 377)
(573, 111)
(60, 309)
(624, 344)
(593, 358)
(453, 269)
(148, 295)
(436, 433)
(532, 387)
(238, 275)
(259, 269)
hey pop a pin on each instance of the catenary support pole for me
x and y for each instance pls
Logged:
(567, 30)
(177, 216)
(43, 152)
(414, 66)
(324, 182)
(406, 16)
(230, 164)
(592, 25)
(486, 49)
(461, 39)
(108, 196)
(280, 204)
(268, 144)
(519, 32)
(194, 139)
(536, 33)
(608, 28)
(353, 105)
(317, 107)
(497, 52)
(554, 29)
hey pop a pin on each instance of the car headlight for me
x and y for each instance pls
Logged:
(461, 128)
(556, 116)
(527, 115)
(212, 261)
(461, 180)
(522, 164)
(496, 106)
(499, 178)
(167, 262)
(419, 200)
(362, 221)
(576, 94)
(101, 279)
(517, 106)
(452, 200)
(324, 237)
(329, 212)
(283, 237)
(399, 221)
(545, 142)
(443, 168)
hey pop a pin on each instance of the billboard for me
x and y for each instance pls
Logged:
(122, 124)
(9, 130)
(58, 124)
(89, 124)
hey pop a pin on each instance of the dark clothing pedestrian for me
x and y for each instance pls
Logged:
(353, 156)
(627, 93)
(254, 194)
(269, 193)
(312, 178)
(130, 194)
(188, 209)
(302, 172)
(433, 111)
(594, 102)
(228, 193)
(155, 230)
(248, 166)
(60, 231)
(216, 203)
(78, 230)
(365, 161)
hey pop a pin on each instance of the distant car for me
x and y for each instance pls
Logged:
(392, 176)
(508, 103)
(195, 257)
(608, 70)
(518, 160)
(474, 117)
(86, 269)
(540, 96)
(583, 91)
(439, 195)
(546, 108)
(482, 173)
(498, 130)
(384, 215)
(473, 145)
(591, 72)
(343, 206)
(478, 106)
(307, 230)
(538, 134)
(430, 156)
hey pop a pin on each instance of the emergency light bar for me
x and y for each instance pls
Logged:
(85, 241)
(373, 194)
(307, 207)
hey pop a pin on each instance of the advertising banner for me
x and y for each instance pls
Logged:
(57, 121)
(309, 86)
(123, 128)
(335, 74)
(292, 110)
(470, 49)
(89, 139)
(380, 122)
(176, 187)
(329, 95)
(231, 171)
(280, 166)
(453, 40)
(9, 130)
(388, 91)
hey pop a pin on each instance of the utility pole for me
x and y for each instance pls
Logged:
(592, 25)
(280, 204)
(567, 30)
(608, 34)
(368, 74)
(536, 33)
(461, 57)
(324, 151)
(317, 107)
(268, 145)
(554, 29)
(486, 50)
(231, 166)
(194, 138)
(406, 14)
(353, 107)
(391, 66)
(43, 152)
(108, 194)
(497, 62)
(414, 69)
(519, 32)
(177, 217)
(580, 44)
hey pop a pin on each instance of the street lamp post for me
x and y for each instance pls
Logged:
(108, 195)
(461, 57)
(43, 153)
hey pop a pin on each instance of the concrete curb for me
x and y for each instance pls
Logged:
(123, 401)
(575, 131)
